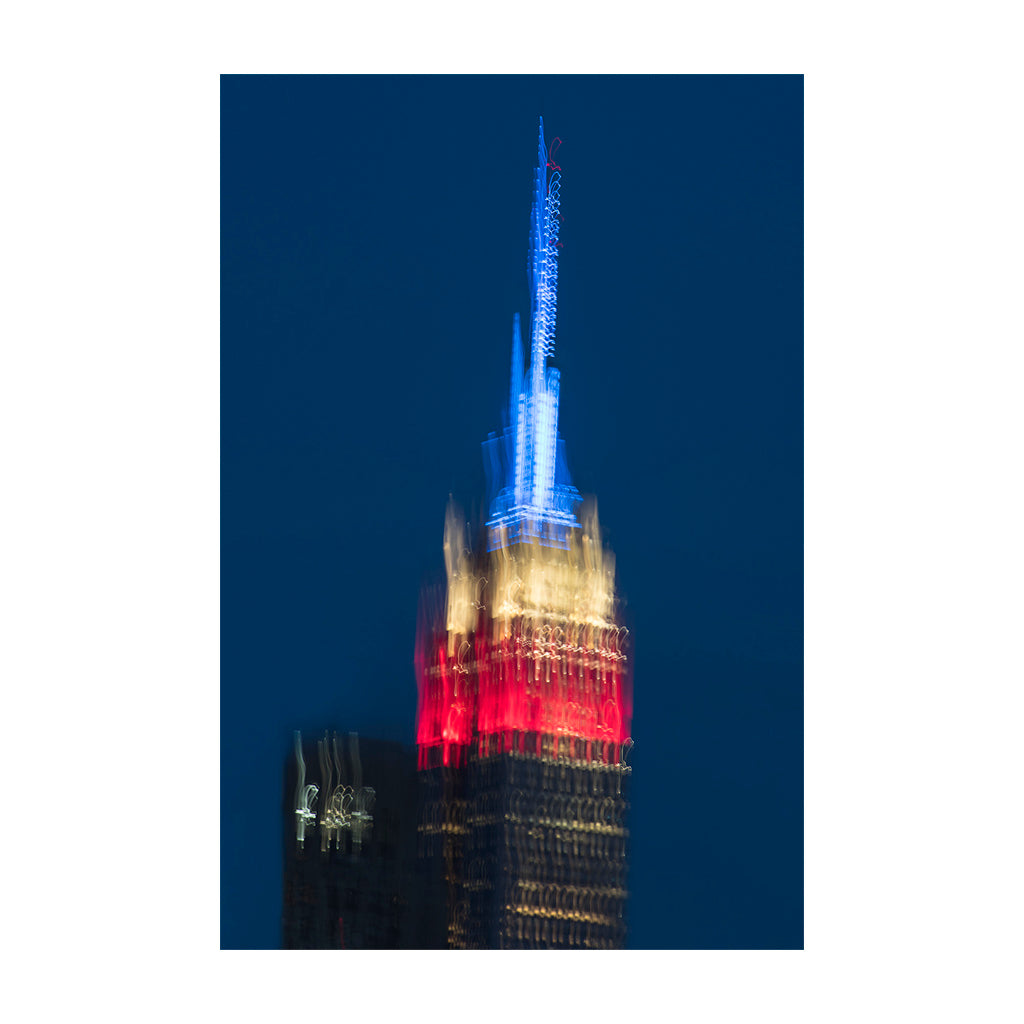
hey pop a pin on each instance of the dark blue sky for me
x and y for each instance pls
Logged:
(374, 234)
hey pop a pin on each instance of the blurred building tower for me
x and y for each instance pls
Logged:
(352, 879)
(524, 688)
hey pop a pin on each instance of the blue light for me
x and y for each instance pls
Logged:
(537, 499)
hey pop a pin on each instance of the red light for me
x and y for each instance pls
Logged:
(521, 685)
(552, 149)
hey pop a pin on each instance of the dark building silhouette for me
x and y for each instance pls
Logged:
(352, 879)
(533, 851)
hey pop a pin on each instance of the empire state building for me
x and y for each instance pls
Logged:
(525, 702)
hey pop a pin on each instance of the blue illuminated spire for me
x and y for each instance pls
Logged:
(537, 498)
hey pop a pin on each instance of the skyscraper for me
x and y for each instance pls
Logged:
(524, 688)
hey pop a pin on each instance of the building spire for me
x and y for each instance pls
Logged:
(538, 498)
(543, 258)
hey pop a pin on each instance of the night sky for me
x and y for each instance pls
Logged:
(373, 252)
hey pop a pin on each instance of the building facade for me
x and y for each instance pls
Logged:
(352, 879)
(525, 700)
